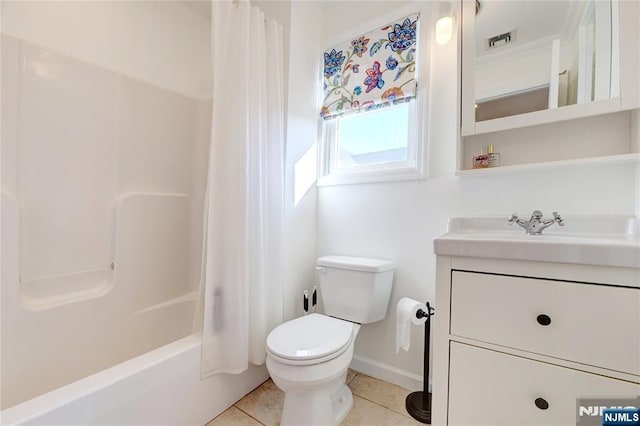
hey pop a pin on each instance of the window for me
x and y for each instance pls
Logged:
(370, 130)
(378, 137)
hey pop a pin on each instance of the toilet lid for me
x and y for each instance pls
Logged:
(309, 337)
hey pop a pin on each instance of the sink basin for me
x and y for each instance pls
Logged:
(591, 240)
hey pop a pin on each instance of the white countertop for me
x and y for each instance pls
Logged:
(590, 240)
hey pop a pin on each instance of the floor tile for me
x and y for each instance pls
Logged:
(375, 403)
(351, 374)
(264, 404)
(233, 417)
(367, 413)
(382, 393)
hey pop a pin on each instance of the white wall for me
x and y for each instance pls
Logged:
(128, 37)
(399, 220)
(302, 119)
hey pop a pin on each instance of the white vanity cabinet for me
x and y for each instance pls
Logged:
(489, 387)
(520, 342)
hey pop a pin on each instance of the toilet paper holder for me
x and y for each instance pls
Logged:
(418, 404)
(422, 314)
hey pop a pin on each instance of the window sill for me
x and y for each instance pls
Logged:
(387, 175)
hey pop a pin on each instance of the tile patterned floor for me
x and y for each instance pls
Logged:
(375, 402)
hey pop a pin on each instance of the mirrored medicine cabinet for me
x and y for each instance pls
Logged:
(532, 63)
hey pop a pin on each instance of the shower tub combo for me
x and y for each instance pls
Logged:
(103, 179)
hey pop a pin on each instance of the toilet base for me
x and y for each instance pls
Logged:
(342, 403)
(326, 405)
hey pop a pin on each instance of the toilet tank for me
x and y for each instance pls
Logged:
(356, 289)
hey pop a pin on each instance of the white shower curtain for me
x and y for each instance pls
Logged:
(243, 242)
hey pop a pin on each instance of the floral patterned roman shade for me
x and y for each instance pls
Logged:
(372, 70)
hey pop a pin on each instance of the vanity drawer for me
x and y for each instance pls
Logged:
(492, 388)
(586, 323)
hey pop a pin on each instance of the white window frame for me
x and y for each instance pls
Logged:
(414, 168)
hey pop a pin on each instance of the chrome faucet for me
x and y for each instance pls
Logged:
(536, 224)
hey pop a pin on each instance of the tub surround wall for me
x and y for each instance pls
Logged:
(115, 185)
(104, 155)
(399, 220)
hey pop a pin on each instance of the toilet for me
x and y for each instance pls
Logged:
(308, 357)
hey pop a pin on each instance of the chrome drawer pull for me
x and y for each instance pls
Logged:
(541, 403)
(543, 319)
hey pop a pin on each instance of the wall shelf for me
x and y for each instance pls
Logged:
(598, 133)
(569, 112)
(578, 162)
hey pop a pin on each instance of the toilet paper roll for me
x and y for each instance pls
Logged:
(406, 310)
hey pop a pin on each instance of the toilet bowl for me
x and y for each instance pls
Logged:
(308, 357)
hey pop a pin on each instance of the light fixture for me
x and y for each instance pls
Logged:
(444, 25)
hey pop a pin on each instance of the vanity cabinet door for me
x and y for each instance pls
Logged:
(592, 324)
(492, 388)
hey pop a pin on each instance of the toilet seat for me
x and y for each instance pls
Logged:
(310, 339)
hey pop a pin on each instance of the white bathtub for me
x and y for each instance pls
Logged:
(160, 387)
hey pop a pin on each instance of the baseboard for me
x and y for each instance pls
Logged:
(387, 373)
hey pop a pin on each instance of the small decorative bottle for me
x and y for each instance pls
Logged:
(493, 158)
(481, 161)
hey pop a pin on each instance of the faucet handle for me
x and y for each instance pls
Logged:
(558, 218)
(513, 218)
